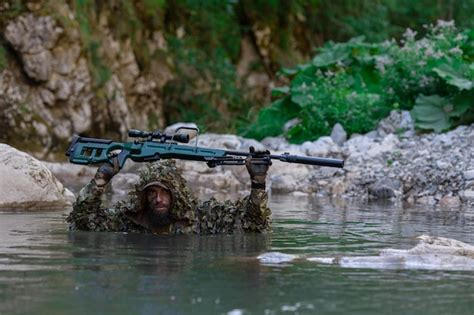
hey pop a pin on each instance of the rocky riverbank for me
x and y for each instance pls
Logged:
(391, 162)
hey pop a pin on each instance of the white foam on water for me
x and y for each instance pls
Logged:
(275, 258)
(323, 260)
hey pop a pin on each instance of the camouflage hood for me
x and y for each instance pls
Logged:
(184, 202)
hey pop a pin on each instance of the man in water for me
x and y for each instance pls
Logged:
(162, 203)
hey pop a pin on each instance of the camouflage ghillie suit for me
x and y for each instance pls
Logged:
(188, 214)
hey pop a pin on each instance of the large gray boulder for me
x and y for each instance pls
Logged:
(26, 183)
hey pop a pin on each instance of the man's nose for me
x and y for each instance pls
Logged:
(159, 197)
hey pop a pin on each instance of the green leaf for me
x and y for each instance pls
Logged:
(432, 112)
(462, 103)
(280, 91)
(288, 71)
(271, 119)
(331, 55)
(302, 90)
(454, 77)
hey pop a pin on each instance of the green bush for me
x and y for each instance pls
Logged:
(357, 83)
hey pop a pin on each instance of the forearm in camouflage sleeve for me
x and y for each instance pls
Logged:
(256, 212)
(88, 213)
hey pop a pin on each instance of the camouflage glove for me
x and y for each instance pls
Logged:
(257, 167)
(106, 171)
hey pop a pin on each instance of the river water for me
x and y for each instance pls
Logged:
(45, 269)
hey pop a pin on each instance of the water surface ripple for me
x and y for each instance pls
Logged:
(45, 269)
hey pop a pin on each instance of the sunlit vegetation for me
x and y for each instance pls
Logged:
(357, 83)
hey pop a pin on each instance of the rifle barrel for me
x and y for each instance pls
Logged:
(308, 160)
(290, 158)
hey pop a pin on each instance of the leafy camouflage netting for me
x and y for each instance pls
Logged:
(188, 214)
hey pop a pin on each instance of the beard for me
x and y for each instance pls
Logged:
(157, 219)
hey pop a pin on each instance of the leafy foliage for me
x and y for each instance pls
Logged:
(204, 40)
(203, 46)
(357, 83)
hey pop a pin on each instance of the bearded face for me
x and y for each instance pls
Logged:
(158, 206)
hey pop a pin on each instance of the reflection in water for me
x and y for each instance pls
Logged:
(44, 267)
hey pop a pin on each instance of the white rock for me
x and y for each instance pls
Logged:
(469, 174)
(338, 134)
(275, 143)
(26, 183)
(283, 184)
(247, 143)
(223, 181)
(322, 147)
(290, 124)
(431, 253)
(358, 145)
(388, 143)
(442, 165)
(174, 127)
(450, 202)
(467, 195)
(218, 141)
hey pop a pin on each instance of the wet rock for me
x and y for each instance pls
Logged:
(338, 134)
(288, 177)
(27, 183)
(426, 200)
(71, 175)
(385, 188)
(283, 183)
(431, 253)
(450, 202)
(276, 258)
(338, 188)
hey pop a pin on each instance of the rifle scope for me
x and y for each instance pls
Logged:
(163, 137)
